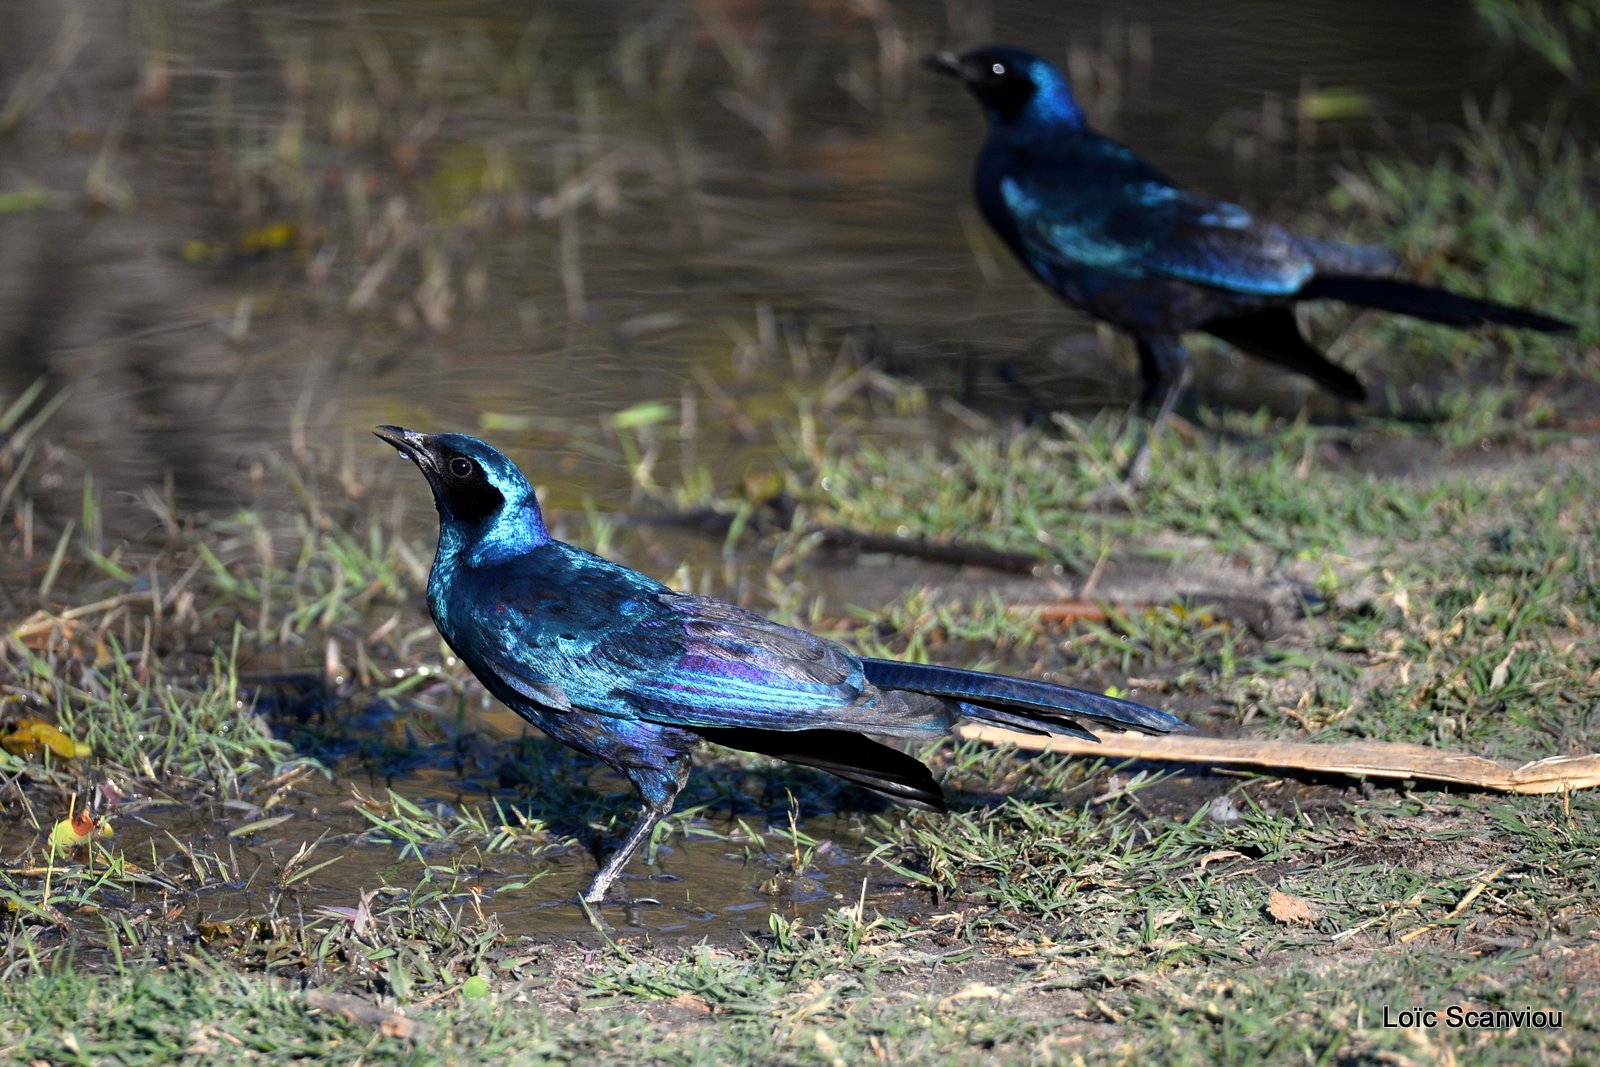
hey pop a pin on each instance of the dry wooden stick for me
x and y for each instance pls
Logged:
(1360, 759)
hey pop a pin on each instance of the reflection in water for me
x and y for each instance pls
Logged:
(729, 852)
(554, 216)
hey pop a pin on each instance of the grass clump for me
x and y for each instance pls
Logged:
(1505, 214)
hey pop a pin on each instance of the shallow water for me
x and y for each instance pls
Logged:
(715, 882)
(715, 158)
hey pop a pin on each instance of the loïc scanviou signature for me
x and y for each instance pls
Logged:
(1462, 1017)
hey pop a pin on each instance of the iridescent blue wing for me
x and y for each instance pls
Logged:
(568, 629)
(1149, 229)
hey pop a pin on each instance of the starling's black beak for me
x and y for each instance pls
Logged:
(413, 445)
(945, 63)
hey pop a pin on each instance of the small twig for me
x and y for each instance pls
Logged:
(715, 523)
(1466, 900)
(956, 553)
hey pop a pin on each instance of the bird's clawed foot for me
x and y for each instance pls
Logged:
(1157, 361)
(631, 906)
(615, 900)
(1135, 476)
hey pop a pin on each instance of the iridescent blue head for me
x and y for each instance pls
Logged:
(486, 506)
(1019, 92)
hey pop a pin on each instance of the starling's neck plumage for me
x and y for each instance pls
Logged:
(1050, 112)
(515, 528)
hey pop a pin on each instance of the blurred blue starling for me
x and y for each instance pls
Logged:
(1115, 237)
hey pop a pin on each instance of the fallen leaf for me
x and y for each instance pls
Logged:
(32, 737)
(973, 991)
(383, 1021)
(1502, 671)
(1290, 910)
(699, 1005)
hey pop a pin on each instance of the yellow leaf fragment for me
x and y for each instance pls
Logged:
(31, 737)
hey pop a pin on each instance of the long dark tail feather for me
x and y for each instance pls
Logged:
(884, 770)
(1273, 334)
(1032, 722)
(1426, 302)
(1020, 703)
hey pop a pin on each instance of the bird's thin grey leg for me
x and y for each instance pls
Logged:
(659, 794)
(619, 859)
(1152, 386)
(1163, 355)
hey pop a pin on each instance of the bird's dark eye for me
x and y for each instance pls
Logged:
(999, 68)
(462, 467)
